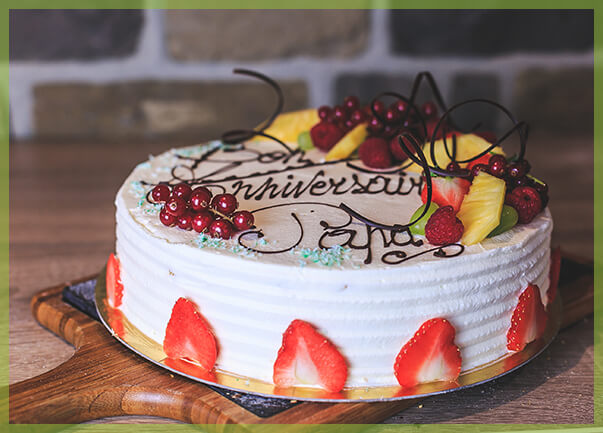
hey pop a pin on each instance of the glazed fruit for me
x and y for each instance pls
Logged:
(243, 220)
(221, 228)
(443, 227)
(447, 191)
(418, 228)
(160, 193)
(348, 144)
(200, 198)
(225, 203)
(166, 218)
(481, 209)
(508, 220)
(182, 190)
(175, 206)
(201, 221)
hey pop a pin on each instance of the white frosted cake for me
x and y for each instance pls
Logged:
(367, 290)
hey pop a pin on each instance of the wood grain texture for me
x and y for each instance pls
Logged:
(62, 227)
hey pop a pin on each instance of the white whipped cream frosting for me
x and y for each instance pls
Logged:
(368, 310)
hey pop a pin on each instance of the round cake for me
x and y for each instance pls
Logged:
(326, 285)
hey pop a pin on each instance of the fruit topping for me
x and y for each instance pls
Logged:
(224, 203)
(526, 202)
(429, 356)
(374, 152)
(160, 193)
(497, 165)
(166, 218)
(182, 190)
(288, 126)
(115, 288)
(304, 141)
(220, 228)
(243, 220)
(185, 221)
(200, 198)
(202, 221)
(508, 220)
(481, 209)
(325, 135)
(308, 357)
(418, 228)
(188, 336)
(175, 206)
(528, 321)
(443, 227)
(348, 144)
(447, 191)
(554, 272)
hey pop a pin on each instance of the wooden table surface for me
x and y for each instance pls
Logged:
(62, 228)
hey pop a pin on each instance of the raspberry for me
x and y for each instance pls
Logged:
(374, 152)
(397, 150)
(325, 135)
(443, 227)
(526, 201)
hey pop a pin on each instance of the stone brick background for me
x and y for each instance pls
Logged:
(166, 74)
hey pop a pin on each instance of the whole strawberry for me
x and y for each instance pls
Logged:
(325, 135)
(526, 201)
(443, 227)
(375, 153)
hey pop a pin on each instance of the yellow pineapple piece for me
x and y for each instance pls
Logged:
(467, 146)
(287, 126)
(348, 144)
(481, 208)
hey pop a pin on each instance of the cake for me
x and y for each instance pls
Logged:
(300, 268)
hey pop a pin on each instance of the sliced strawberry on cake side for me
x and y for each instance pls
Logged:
(429, 356)
(115, 289)
(188, 336)
(447, 191)
(555, 271)
(528, 321)
(307, 357)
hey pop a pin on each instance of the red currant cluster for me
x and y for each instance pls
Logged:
(196, 209)
(344, 116)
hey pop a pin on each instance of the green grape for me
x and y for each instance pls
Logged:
(508, 219)
(304, 141)
(418, 228)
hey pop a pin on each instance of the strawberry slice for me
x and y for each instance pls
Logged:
(429, 356)
(447, 191)
(528, 321)
(188, 336)
(554, 272)
(115, 289)
(307, 357)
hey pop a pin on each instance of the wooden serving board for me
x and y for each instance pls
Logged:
(104, 378)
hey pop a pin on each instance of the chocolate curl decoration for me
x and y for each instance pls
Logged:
(237, 136)
(422, 161)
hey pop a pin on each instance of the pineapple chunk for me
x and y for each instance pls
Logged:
(288, 126)
(348, 144)
(467, 146)
(481, 208)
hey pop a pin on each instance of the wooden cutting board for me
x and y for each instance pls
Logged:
(104, 378)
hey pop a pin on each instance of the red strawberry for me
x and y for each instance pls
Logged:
(429, 356)
(307, 357)
(375, 153)
(115, 289)
(443, 227)
(526, 201)
(325, 135)
(447, 191)
(189, 336)
(554, 272)
(528, 321)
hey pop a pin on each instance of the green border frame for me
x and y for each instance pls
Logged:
(301, 4)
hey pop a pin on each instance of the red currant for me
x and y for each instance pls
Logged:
(375, 126)
(340, 113)
(351, 103)
(429, 110)
(161, 193)
(243, 220)
(349, 124)
(477, 168)
(324, 111)
(166, 218)
(390, 130)
(400, 105)
(185, 221)
(358, 116)
(498, 165)
(225, 203)
(378, 107)
(175, 206)
(200, 198)
(220, 229)
(182, 190)
(392, 115)
(202, 221)
(453, 166)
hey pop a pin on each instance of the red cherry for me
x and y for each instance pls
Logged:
(243, 220)
(175, 206)
(429, 110)
(324, 111)
(202, 221)
(351, 103)
(225, 203)
(220, 229)
(392, 115)
(340, 113)
(185, 221)
(200, 198)
(182, 190)
(166, 218)
(161, 193)
(378, 107)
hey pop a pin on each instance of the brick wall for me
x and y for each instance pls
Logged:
(139, 75)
